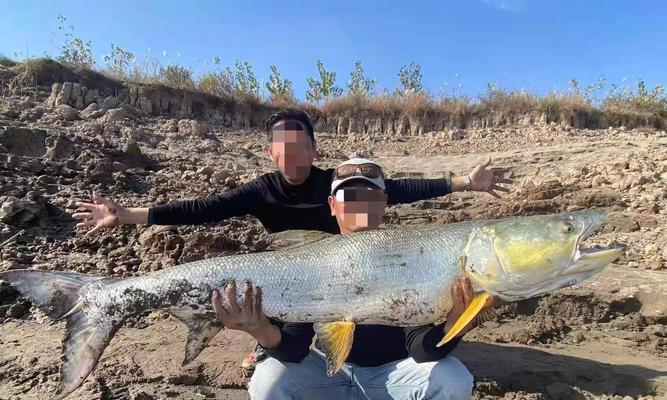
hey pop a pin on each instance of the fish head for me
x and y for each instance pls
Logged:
(524, 257)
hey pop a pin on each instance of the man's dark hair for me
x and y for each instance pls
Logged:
(291, 114)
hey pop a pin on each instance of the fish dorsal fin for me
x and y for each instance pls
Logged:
(201, 329)
(335, 340)
(293, 239)
(468, 315)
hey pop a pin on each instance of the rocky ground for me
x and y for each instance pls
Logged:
(604, 339)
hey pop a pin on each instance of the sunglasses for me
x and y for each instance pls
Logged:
(368, 170)
(357, 194)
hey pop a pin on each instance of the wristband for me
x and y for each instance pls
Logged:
(468, 182)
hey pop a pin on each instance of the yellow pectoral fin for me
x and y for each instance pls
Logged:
(468, 315)
(335, 340)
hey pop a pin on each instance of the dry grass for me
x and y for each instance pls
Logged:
(637, 107)
(554, 102)
(6, 62)
(344, 105)
(416, 104)
(654, 107)
(386, 105)
(281, 103)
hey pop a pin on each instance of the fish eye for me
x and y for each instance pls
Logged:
(567, 228)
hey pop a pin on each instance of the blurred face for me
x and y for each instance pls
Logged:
(358, 206)
(292, 150)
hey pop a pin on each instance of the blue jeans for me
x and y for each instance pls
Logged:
(403, 379)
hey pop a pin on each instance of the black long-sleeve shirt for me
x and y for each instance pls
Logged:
(280, 206)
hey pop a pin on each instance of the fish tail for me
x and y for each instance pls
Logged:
(57, 294)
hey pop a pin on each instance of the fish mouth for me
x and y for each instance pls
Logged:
(585, 263)
(593, 259)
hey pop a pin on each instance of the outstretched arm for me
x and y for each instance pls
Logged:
(105, 213)
(480, 179)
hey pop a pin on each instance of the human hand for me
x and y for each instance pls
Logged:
(488, 180)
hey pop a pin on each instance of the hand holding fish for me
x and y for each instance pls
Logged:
(248, 316)
(462, 295)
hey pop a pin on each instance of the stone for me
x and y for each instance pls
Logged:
(456, 134)
(141, 395)
(76, 99)
(24, 142)
(219, 176)
(91, 97)
(59, 147)
(169, 126)
(205, 171)
(65, 112)
(650, 249)
(617, 222)
(110, 102)
(93, 129)
(113, 115)
(191, 127)
(656, 262)
(64, 95)
(19, 212)
(89, 111)
(132, 148)
(56, 87)
(32, 114)
(599, 180)
(78, 103)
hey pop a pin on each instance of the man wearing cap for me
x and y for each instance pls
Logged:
(293, 197)
(385, 362)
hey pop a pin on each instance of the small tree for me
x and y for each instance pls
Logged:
(324, 88)
(410, 77)
(177, 76)
(119, 61)
(245, 81)
(74, 50)
(359, 84)
(219, 82)
(280, 90)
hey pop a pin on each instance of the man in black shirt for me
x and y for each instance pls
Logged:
(384, 362)
(293, 197)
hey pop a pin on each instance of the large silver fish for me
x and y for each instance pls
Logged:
(390, 277)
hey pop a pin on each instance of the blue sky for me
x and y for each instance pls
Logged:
(522, 44)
